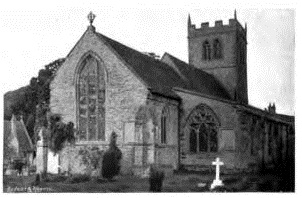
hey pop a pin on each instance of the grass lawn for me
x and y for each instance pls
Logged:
(179, 182)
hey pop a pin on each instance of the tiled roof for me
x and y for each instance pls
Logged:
(162, 78)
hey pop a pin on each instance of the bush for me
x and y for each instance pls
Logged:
(91, 157)
(32, 169)
(18, 165)
(78, 178)
(111, 159)
(55, 178)
(156, 179)
(111, 164)
(59, 133)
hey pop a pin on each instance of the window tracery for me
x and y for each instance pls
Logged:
(202, 126)
(91, 101)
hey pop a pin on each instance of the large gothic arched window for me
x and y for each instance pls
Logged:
(202, 126)
(91, 100)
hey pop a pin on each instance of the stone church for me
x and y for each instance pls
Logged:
(178, 115)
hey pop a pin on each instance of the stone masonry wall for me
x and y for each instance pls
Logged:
(223, 69)
(125, 94)
(261, 141)
(166, 154)
(227, 117)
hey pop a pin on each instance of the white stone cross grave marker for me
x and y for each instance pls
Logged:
(217, 181)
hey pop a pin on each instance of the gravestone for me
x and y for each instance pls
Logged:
(217, 181)
(42, 152)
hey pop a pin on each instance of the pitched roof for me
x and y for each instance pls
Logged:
(200, 80)
(162, 78)
(24, 141)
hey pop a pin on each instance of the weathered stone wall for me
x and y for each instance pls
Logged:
(249, 139)
(244, 137)
(76, 158)
(226, 114)
(223, 69)
(125, 95)
(165, 154)
(261, 141)
(228, 70)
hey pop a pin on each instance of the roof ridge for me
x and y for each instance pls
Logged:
(106, 37)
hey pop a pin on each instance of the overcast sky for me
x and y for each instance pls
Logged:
(31, 38)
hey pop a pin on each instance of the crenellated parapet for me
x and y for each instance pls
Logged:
(205, 28)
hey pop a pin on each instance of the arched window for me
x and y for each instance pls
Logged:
(202, 126)
(217, 49)
(206, 51)
(164, 124)
(91, 100)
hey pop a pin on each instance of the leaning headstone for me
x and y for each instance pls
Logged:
(217, 182)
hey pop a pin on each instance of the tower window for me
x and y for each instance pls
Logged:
(206, 51)
(217, 49)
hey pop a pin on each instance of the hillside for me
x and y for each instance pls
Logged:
(10, 97)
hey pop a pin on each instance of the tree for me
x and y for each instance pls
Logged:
(35, 96)
(59, 133)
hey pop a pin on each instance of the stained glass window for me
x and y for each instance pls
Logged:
(91, 101)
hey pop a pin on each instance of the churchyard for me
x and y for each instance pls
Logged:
(178, 182)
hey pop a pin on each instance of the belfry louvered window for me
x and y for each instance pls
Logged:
(217, 49)
(206, 51)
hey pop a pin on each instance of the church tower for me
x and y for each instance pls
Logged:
(221, 51)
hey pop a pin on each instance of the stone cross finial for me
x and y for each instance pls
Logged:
(91, 17)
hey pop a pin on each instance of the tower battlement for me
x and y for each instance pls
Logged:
(219, 26)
